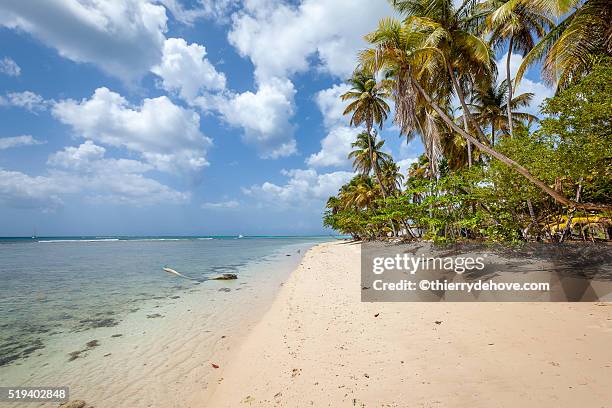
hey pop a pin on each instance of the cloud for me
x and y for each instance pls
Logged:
(125, 39)
(280, 38)
(303, 188)
(221, 205)
(405, 164)
(27, 100)
(167, 136)
(185, 69)
(84, 169)
(9, 67)
(331, 106)
(15, 141)
(335, 148)
(217, 10)
(336, 145)
(539, 90)
(263, 115)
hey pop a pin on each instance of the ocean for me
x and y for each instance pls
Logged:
(59, 293)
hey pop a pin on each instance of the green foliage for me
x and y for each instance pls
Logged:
(571, 150)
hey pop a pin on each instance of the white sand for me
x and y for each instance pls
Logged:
(320, 346)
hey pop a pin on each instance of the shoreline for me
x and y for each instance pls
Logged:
(319, 345)
(162, 352)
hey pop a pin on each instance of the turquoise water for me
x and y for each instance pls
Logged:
(56, 285)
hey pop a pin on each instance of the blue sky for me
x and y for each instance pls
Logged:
(179, 117)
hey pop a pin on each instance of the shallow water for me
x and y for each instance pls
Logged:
(54, 290)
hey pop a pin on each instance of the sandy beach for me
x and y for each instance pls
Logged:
(319, 345)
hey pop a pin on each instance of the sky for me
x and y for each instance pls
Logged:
(176, 117)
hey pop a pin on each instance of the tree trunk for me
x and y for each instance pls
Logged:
(568, 226)
(492, 134)
(560, 198)
(374, 165)
(509, 81)
(466, 111)
(469, 145)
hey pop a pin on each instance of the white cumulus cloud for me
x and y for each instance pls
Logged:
(15, 141)
(221, 205)
(263, 115)
(166, 135)
(280, 38)
(303, 188)
(185, 69)
(336, 145)
(84, 170)
(27, 100)
(124, 38)
(9, 67)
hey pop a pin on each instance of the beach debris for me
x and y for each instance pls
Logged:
(174, 297)
(438, 322)
(107, 354)
(154, 316)
(295, 372)
(248, 399)
(366, 375)
(117, 335)
(214, 365)
(225, 276)
(377, 314)
(224, 290)
(92, 343)
(173, 272)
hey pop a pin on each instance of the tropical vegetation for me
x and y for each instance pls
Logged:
(494, 171)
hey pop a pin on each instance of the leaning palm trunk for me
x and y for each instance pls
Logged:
(560, 198)
(469, 145)
(510, 85)
(374, 166)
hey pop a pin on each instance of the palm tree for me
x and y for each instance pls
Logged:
(518, 23)
(392, 176)
(367, 106)
(490, 107)
(367, 154)
(359, 193)
(446, 42)
(406, 52)
(571, 48)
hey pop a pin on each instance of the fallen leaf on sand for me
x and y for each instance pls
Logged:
(438, 322)
(376, 315)
(214, 365)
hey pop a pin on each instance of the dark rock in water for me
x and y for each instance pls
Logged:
(225, 290)
(117, 335)
(74, 355)
(153, 316)
(95, 323)
(92, 344)
(225, 276)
